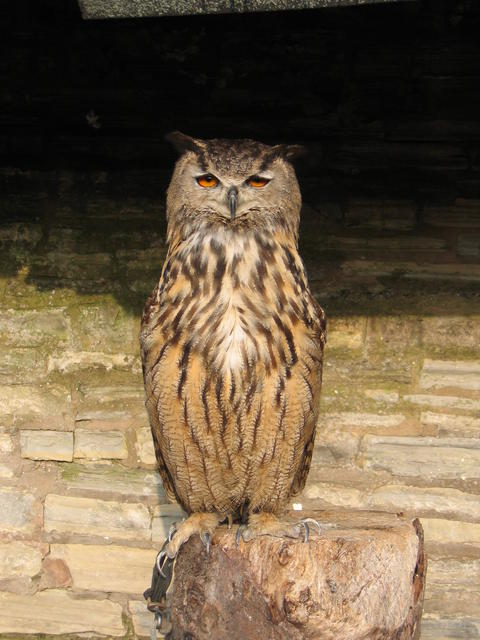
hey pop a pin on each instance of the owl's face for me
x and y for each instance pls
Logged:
(233, 182)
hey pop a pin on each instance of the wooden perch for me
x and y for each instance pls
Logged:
(362, 578)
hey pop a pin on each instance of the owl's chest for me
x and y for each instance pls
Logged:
(233, 300)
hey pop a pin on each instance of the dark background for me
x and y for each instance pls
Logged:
(387, 96)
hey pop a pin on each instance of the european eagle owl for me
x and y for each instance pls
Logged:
(232, 340)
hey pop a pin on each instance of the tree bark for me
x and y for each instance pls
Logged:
(362, 577)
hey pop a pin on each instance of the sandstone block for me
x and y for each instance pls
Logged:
(423, 456)
(33, 328)
(443, 402)
(468, 245)
(440, 374)
(427, 500)
(46, 445)
(453, 587)
(55, 574)
(342, 444)
(103, 326)
(18, 511)
(120, 405)
(346, 333)
(67, 267)
(21, 234)
(68, 514)
(392, 214)
(413, 270)
(107, 568)
(144, 446)
(6, 443)
(92, 397)
(437, 627)
(452, 331)
(380, 395)
(18, 559)
(388, 243)
(452, 601)
(464, 573)
(328, 495)
(20, 364)
(71, 361)
(463, 213)
(452, 425)
(443, 532)
(113, 480)
(6, 471)
(393, 333)
(57, 612)
(362, 422)
(97, 445)
(36, 406)
(142, 618)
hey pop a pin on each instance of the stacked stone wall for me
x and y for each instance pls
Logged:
(82, 510)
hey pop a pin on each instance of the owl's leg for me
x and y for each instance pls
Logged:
(202, 523)
(267, 524)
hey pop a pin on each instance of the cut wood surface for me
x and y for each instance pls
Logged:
(362, 577)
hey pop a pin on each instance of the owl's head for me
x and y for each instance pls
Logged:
(234, 183)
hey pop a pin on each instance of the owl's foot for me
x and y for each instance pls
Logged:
(266, 524)
(204, 524)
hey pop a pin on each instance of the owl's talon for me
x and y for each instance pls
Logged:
(306, 523)
(160, 562)
(239, 534)
(172, 531)
(306, 530)
(206, 538)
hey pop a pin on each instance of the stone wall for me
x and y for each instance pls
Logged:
(390, 237)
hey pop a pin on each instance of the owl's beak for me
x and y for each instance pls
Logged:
(232, 200)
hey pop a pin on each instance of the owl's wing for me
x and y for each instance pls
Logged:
(150, 310)
(315, 379)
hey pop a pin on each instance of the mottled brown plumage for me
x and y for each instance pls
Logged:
(232, 338)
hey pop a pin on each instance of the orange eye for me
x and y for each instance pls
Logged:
(207, 181)
(257, 181)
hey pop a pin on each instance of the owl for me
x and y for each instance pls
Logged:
(232, 341)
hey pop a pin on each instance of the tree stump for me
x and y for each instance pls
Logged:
(362, 577)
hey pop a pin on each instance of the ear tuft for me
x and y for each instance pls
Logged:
(183, 143)
(293, 151)
(289, 151)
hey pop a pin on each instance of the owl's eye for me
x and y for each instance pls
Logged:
(207, 181)
(257, 181)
